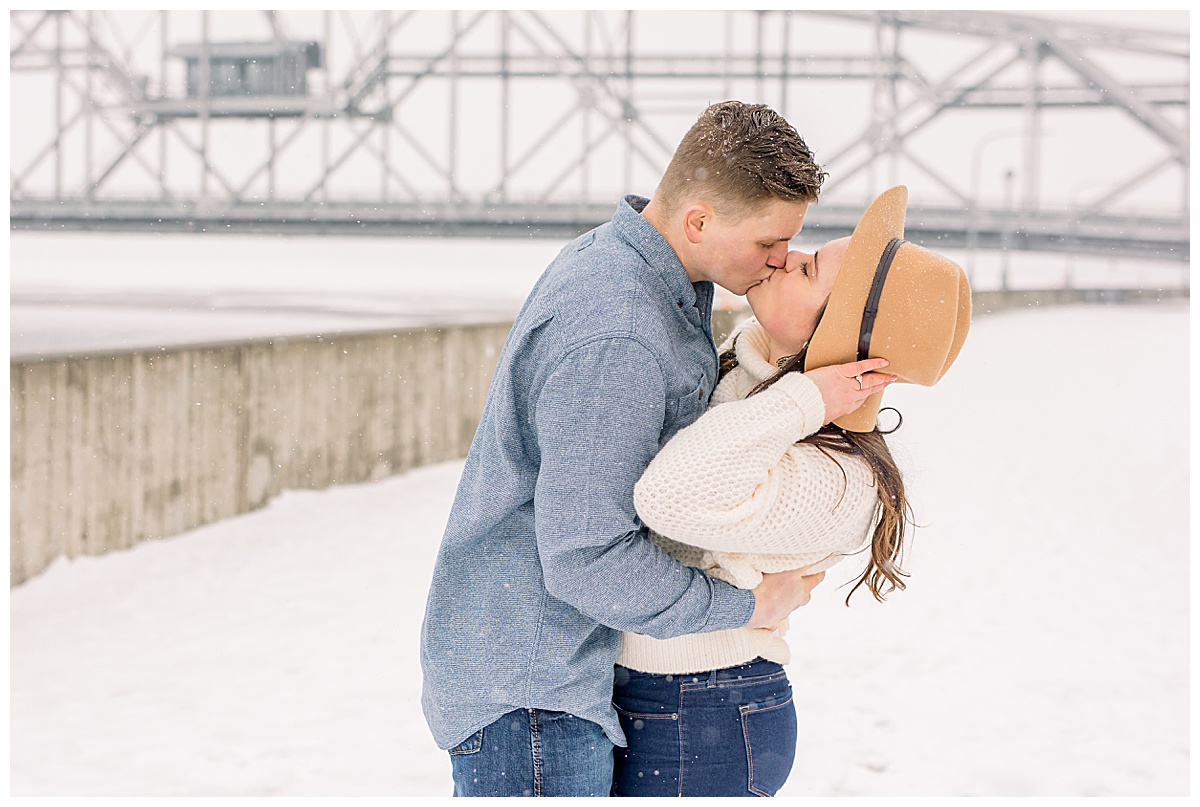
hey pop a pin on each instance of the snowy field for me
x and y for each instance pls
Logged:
(1041, 649)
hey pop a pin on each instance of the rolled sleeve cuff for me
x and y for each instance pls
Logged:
(732, 607)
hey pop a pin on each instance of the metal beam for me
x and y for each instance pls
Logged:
(1144, 237)
(611, 97)
(1075, 59)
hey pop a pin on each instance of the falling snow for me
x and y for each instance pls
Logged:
(1040, 649)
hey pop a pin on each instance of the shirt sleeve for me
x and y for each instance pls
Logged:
(598, 417)
(735, 480)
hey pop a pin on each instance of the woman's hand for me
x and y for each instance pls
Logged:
(844, 387)
(779, 594)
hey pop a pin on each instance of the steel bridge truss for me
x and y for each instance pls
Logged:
(528, 122)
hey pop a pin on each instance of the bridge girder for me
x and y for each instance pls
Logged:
(581, 106)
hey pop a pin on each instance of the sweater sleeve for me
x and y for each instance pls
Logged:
(735, 480)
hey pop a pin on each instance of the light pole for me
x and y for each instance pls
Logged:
(976, 170)
(1006, 240)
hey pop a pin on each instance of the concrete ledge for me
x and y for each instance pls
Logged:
(986, 302)
(107, 451)
(110, 450)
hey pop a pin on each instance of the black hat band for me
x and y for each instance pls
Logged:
(871, 309)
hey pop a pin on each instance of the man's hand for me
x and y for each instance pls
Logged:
(844, 387)
(781, 593)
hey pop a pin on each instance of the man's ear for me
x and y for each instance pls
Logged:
(696, 218)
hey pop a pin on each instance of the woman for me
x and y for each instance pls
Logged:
(764, 482)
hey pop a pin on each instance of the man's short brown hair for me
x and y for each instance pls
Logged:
(737, 156)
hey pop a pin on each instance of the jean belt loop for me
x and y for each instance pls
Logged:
(712, 679)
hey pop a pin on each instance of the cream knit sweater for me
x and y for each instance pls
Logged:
(737, 497)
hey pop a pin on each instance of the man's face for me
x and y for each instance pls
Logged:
(737, 255)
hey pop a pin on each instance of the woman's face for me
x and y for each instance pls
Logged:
(788, 303)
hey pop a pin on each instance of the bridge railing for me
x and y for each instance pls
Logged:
(1152, 237)
(495, 121)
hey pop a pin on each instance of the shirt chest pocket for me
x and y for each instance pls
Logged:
(683, 410)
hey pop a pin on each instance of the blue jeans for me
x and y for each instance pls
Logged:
(534, 752)
(729, 732)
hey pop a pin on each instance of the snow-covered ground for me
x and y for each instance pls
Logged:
(1042, 647)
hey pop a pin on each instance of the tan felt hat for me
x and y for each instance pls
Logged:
(892, 299)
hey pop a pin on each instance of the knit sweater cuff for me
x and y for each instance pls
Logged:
(804, 393)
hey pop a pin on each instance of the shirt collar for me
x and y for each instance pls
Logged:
(649, 242)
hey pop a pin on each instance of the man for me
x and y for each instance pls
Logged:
(544, 561)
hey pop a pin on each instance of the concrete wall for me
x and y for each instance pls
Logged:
(107, 451)
(110, 450)
(986, 302)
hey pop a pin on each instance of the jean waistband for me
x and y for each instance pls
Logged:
(755, 668)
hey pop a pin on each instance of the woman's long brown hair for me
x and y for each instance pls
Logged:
(883, 574)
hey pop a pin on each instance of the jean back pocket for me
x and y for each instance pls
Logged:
(770, 732)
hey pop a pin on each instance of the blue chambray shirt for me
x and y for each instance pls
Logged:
(544, 560)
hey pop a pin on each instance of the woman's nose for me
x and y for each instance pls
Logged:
(795, 258)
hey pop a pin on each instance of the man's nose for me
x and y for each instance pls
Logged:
(777, 258)
(792, 260)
